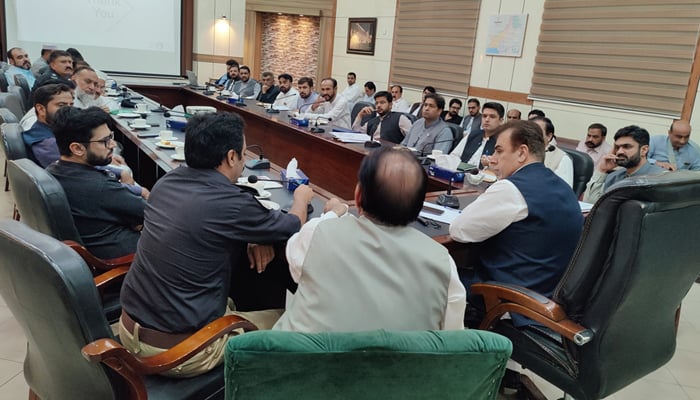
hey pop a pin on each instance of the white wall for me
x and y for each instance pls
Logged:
(217, 39)
(368, 68)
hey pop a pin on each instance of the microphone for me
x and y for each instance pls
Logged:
(262, 163)
(173, 113)
(550, 148)
(448, 199)
(316, 129)
(255, 179)
(422, 157)
(272, 109)
(160, 108)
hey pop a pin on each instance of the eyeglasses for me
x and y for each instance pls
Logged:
(106, 141)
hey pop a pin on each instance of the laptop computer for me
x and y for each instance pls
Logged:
(192, 77)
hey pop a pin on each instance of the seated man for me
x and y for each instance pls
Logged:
(232, 76)
(107, 215)
(452, 114)
(385, 274)
(330, 105)
(198, 228)
(60, 69)
(594, 144)
(472, 120)
(268, 89)
(417, 108)
(675, 151)
(225, 77)
(386, 124)
(40, 65)
(39, 139)
(430, 132)
(554, 157)
(517, 218)
(307, 95)
(19, 65)
(245, 87)
(399, 104)
(630, 153)
(370, 90)
(481, 142)
(288, 96)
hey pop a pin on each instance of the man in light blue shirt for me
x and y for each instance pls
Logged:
(19, 65)
(675, 151)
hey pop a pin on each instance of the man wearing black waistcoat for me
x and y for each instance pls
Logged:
(385, 124)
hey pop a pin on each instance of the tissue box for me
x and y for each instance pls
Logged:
(175, 125)
(234, 100)
(300, 122)
(292, 184)
(445, 174)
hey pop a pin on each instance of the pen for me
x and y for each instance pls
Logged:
(422, 221)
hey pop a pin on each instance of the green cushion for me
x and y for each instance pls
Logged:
(466, 364)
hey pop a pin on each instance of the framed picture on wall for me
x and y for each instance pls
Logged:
(362, 36)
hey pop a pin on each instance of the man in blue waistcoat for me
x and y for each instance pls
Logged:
(528, 222)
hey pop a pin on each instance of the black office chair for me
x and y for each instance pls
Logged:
(54, 297)
(13, 147)
(457, 134)
(21, 81)
(356, 109)
(20, 93)
(583, 170)
(410, 116)
(12, 102)
(3, 82)
(612, 318)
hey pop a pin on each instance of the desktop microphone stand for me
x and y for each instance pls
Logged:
(316, 129)
(448, 199)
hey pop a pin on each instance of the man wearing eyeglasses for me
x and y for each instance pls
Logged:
(107, 215)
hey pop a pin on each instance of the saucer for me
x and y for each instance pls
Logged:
(140, 126)
(270, 205)
(264, 194)
(177, 157)
(169, 145)
(171, 139)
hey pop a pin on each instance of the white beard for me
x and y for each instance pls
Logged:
(88, 100)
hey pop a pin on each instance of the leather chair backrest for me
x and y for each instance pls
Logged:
(52, 295)
(19, 92)
(21, 81)
(12, 141)
(457, 134)
(12, 102)
(466, 364)
(41, 201)
(3, 82)
(356, 109)
(6, 116)
(635, 262)
(410, 116)
(583, 169)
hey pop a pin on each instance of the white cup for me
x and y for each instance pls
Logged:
(180, 151)
(167, 135)
(141, 108)
(139, 123)
(475, 179)
(436, 153)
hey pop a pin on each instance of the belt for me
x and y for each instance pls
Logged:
(153, 337)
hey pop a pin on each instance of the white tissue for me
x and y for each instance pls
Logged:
(447, 161)
(292, 169)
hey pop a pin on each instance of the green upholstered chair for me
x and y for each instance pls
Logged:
(270, 365)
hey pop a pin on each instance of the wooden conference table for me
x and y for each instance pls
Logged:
(331, 165)
(328, 163)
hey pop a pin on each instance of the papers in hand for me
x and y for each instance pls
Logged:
(349, 137)
(439, 213)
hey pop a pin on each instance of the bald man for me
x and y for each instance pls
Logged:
(383, 274)
(675, 151)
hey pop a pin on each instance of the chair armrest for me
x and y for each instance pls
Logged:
(501, 298)
(108, 278)
(99, 264)
(133, 368)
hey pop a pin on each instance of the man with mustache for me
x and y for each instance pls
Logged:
(60, 70)
(675, 151)
(594, 144)
(630, 153)
(107, 215)
(19, 65)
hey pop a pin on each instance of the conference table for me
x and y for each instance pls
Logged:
(330, 165)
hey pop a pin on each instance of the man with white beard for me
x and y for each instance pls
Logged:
(87, 89)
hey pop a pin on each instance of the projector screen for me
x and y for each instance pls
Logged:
(126, 36)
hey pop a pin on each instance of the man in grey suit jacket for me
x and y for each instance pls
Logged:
(472, 121)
